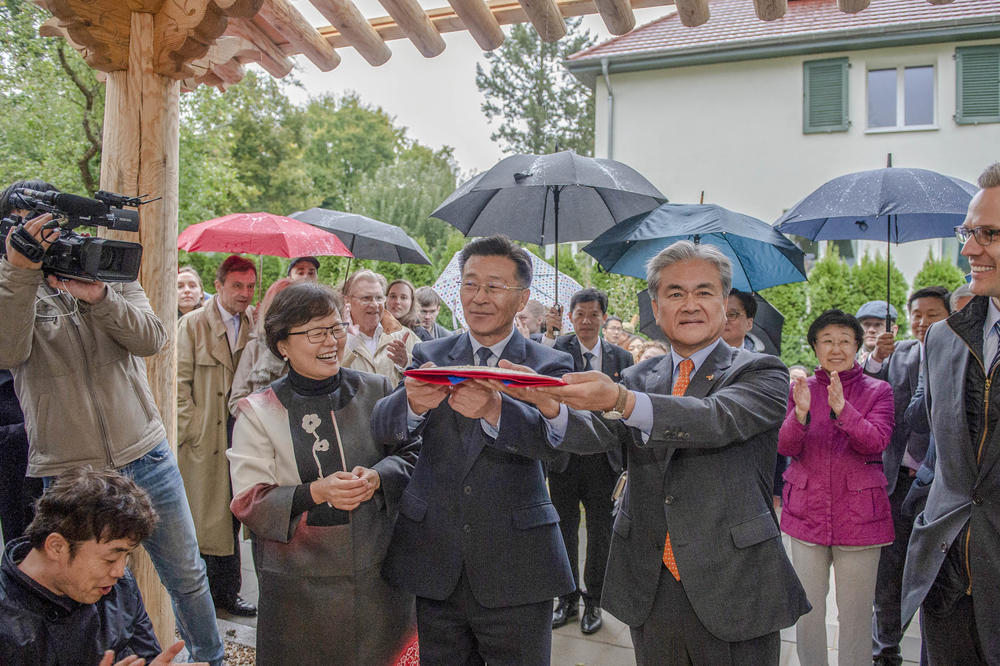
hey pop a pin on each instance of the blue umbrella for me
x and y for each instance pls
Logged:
(891, 204)
(760, 255)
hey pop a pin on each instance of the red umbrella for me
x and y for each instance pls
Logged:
(261, 233)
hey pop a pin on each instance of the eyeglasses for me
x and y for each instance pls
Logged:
(369, 300)
(984, 235)
(733, 316)
(314, 335)
(471, 288)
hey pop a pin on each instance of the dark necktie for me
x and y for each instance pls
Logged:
(484, 354)
(587, 356)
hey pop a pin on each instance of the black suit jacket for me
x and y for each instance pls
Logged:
(478, 502)
(614, 360)
(705, 472)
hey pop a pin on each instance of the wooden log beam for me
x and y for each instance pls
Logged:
(769, 10)
(617, 15)
(348, 19)
(446, 19)
(303, 37)
(546, 19)
(940, 2)
(272, 58)
(852, 6)
(692, 12)
(140, 156)
(412, 20)
(481, 23)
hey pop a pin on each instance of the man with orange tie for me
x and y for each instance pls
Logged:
(696, 568)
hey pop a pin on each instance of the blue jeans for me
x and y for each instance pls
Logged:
(173, 548)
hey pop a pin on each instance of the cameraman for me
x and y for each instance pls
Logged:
(74, 348)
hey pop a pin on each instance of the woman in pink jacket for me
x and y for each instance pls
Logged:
(836, 509)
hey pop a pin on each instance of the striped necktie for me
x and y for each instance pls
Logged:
(680, 387)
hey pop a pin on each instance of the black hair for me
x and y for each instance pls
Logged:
(747, 300)
(9, 203)
(499, 246)
(84, 504)
(930, 292)
(612, 318)
(834, 317)
(589, 295)
(300, 303)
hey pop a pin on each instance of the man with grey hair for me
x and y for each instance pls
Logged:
(376, 341)
(696, 568)
(952, 570)
(960, 297)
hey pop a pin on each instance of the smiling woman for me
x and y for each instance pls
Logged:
(319, 496)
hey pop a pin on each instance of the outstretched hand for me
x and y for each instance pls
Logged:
(591, 390)
(546, 404)
(165, 657)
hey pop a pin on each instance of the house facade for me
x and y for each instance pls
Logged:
(757, 115)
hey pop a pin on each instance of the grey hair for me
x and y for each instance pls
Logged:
(959, 293)
(990, 177)
(683, 251)
(363, 275)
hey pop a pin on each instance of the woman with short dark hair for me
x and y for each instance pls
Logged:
(836, 508)
(319, 496)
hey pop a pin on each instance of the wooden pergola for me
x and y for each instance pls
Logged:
(151, 50)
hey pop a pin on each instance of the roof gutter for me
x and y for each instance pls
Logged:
(587, 70)
(611, 110)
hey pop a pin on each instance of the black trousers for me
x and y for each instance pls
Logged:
(223, 571)
(952, 638)
(17, 491)
(887, 630)
(458, 631)
(674, 636)
(588, 479)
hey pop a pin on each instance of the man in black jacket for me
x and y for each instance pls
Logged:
(65, 594)
(589, 479)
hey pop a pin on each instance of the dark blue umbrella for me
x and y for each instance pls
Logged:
(760, 255)
(891, 204)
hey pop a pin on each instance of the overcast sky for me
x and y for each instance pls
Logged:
(436, 99)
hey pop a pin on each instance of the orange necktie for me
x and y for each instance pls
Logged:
(680, 387)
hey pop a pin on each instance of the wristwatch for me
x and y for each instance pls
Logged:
(618, 411)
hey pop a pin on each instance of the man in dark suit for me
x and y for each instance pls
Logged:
(477, 539)
(589, 478)
(696, 568)
(952, 570)
(899, 364)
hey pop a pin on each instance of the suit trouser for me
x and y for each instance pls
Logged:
(224, 575)
(674, 636)
(887, 630)
(588, 479)
(459, 631)
(855, 568)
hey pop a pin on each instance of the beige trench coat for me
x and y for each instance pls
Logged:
(358, 357)
(205, 368)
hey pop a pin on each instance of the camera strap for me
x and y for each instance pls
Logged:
(26, 244)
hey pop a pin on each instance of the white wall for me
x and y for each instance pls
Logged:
(734, 130)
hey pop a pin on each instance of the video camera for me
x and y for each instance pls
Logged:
(71, 254)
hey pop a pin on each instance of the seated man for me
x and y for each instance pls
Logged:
(64, 590)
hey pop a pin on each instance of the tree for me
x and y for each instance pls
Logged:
(936, 272)
(51, 105)
(790, 301)
(867, 283)
(539, 105)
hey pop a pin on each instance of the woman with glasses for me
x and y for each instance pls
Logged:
(836, 508)
(319, 497)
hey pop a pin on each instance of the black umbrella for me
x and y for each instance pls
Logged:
(366, 238)
(766, 331)
(892, 204)
(546, 199)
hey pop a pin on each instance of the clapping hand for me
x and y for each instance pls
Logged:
(802, 398)
(835, 394)
(396, 350)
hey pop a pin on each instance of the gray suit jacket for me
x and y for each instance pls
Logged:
(966, 487)
(902, 371)
(706, 472)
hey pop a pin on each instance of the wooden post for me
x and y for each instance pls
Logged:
(140, 157)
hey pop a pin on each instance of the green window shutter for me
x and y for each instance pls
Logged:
(824, 90)
(978, 77)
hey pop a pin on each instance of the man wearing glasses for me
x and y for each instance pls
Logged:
(377, 342)
(477, 538)
(952, 570)
(741, 308)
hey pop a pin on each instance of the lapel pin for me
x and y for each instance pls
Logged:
(709, 377)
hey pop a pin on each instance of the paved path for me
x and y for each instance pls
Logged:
(611, 646)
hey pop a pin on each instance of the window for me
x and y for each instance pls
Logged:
(824, 91)
(978, 79)
(901, 97)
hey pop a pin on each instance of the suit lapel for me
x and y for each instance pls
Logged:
(219, 344)
(576, 351)
(461, 351)
(609, 364)
(711, 371)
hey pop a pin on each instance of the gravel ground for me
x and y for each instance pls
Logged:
(239, 655)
